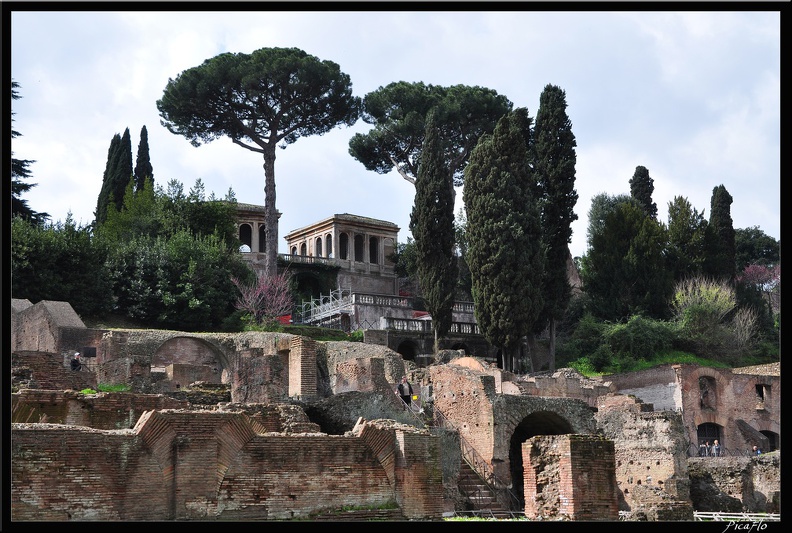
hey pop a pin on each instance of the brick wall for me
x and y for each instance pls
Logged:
(302, 368)
(104, 410)
(650, 448)
(570, 477)
(190, 465)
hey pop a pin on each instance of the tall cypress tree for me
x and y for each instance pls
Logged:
(117, 174)
(143, 169)
(123, 169)
(504, 237)
(555, 159)
(106, 193)
(641, 188)
(432, 227)
(721, 263)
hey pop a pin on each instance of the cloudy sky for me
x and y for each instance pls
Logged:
(692, 96)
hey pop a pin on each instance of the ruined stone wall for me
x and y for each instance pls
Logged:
(650, 449)
(657, 386)
(565, 383)
(464, 397)
(36, 331)
(736, 484)
(48, 371)
(733, 398)
(302, 368)
(361, 374)
(570, 477)
(766, 476)
(191, 465)
(104, 410)
(258, 377)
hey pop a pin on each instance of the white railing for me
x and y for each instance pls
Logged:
(736, 517)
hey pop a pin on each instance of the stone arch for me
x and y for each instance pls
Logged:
(191, 351)
(374, 250)
(537, 423)
(460, 346)
(359, 245)
(329, 245)
(303, 249)
(707, 432)
(262, 235)
(343, 246)
(246, 235)
(408, 349)
(318, 246)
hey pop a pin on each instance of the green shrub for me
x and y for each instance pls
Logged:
(118, 387)
(640, 337)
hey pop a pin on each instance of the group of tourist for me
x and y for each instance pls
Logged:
(715, 450)
(706, 450)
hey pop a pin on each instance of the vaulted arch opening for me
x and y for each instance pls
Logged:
(538, 423)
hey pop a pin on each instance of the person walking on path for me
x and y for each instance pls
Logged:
(76, 364)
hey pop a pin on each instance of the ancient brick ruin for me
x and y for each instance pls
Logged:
(301, 429)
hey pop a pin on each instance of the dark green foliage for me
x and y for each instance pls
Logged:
(117, 175)
(181, 282)
(601, 206)
(584, 340)
(641, 188)
(504, 237)
(687, 229)
(624, 272)
(143, 168)
(259, 100)
(555, 158)
(721, 259)
(464, 282)
(20, 171)
(640, 337)
(398, 113)
(405, 259)
(754, 246)
(59, 262)
(432, 226)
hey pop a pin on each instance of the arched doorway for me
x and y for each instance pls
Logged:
(538, 423)
(408, 350)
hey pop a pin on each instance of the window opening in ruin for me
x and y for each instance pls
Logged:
(374, 251)
(772, 439)
(262, 238)
(708, 433)
(343, 246)
(707, 392)
(762, 392)
(318, 244)
(246, 234)
(359, 248)
(329, 245)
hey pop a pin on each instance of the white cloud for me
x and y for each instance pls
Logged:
(692, 96)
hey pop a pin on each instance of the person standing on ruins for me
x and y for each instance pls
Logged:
(405, 391)
(716, 448)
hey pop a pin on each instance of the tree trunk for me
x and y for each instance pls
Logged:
(552, 343)
(270, 215)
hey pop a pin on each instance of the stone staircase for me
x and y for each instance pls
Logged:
(481, 498)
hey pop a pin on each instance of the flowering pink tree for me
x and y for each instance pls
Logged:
(767, 279)
(265, 300)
